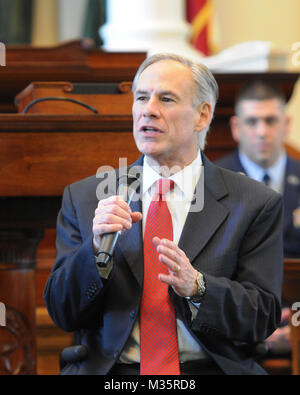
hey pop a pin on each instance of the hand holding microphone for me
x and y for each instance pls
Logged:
(113, 216)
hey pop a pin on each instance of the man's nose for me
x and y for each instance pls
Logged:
(262, 128)
(151, 108)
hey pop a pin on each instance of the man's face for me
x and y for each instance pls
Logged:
(165, 122)
(260, 130)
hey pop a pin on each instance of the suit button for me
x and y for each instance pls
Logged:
(90, 293)
(132, 314)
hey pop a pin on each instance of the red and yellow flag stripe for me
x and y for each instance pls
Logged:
(199, 15)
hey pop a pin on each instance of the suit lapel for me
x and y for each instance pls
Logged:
(131, 242)
(201, 226)
(238, 165)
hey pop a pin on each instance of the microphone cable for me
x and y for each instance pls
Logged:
(35, 101)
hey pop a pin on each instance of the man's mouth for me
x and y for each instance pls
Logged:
(263, 147)
(150, 129)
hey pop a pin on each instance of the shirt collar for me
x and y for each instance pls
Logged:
(276, 172)
(185, 179)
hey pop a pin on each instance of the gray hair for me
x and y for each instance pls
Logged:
(206, 87)
(260, 91)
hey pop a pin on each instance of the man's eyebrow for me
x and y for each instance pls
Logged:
(257, 118)
(168, 93)
(160, 93)
(140, 92)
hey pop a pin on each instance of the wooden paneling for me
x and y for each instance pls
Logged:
(40, 155)
(67, 98)
(50, 339)
(74, 62)
(17, 292)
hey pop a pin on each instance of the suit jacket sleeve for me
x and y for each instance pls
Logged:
(74, 288)
(246, 305)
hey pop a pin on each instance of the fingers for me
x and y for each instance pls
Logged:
(136, 216)
(111, 212)
(169, 254)
(285, 314)
(182, 275)
(112, 215)
(169, 249)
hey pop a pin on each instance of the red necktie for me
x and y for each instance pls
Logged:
(158, 333)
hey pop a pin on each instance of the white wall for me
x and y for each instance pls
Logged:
(272, 20)
(71, 19)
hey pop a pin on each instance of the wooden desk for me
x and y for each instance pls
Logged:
(76, 98)
(39, 156)
(72, 61)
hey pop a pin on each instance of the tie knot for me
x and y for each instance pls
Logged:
(163, 186)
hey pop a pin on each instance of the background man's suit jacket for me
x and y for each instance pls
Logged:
(291, 200)
(236, 241)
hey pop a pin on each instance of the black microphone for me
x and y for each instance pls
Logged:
(128, 186)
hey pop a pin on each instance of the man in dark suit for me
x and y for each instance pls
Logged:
(260, 126)
(221, 271)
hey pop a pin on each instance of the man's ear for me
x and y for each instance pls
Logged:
(288, 123)
(235, 129)
(203, 118)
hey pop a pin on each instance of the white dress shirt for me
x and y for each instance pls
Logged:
(276, 172)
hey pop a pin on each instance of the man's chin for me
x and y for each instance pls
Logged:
(264, 161)
(149, 148)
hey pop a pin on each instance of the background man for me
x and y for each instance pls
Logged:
(260, 126)
(189, 291)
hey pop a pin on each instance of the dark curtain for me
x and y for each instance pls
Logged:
(95, 17)
(15, 21)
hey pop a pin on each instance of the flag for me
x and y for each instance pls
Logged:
(15, 21)
(199, 14)
(95, 17)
